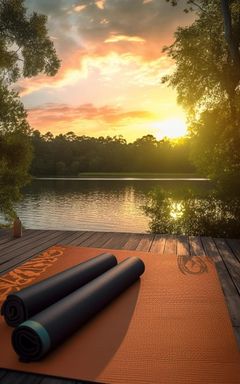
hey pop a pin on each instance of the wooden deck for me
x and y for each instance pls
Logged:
(224, 252)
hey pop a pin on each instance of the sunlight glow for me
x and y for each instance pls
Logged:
(100, 4)
(117, 38)
(79, 8)
(171, 128)
(176, 210)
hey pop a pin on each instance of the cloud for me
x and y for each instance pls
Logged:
(80, 67)
(51, 115)
(153, 21)
(108, 40)
(100, 4)
(112, 65)
(90, 23)
(79, 8)
(117, 38)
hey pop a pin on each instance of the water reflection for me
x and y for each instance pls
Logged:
(177, 207)
(93, 205)
(208, 213)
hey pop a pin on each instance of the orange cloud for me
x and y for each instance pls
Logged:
(100, 4)
(79, 8)
(51, 115)
(110, 37)
(111, 53)
(117, 38)
(79, 66)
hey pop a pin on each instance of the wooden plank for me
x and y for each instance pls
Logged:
(3, 372)
(230, 261)
(233, 304)
(5, 234)
(133, 241)
(18, 249)
(55, 380)
(56, 238)
(145, 243)
(92, 240)
(183, 248)
(14, 377)
(234, 244)
(211, 250)
(8, 238)
(196, 248)
(27, 235)
(78, 240)
(170, 245)
(73, 236)
(37, 237)
(102, 240)
(237, 334)
(229, 289)
(22, 242)
(5, 239)
(158, 244)
(89, 238)
(117, 241)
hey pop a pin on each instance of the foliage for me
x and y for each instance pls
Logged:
(207, 80)
(187, 213)
(215, 147)
(25, 48)
(69, 155)
(25, 51)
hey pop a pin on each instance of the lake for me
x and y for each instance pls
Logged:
(172, 206)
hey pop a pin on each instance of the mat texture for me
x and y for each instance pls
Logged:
(170, 327)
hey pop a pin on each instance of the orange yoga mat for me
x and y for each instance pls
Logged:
(170, 327)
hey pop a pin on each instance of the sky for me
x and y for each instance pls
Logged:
(112, 63)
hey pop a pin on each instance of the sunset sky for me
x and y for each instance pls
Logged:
(112, 64)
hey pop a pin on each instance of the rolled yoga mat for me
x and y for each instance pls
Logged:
(20, 306)
(43, 332)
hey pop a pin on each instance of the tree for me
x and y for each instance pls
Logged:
(230, 37)
(25, 51)
(106, 154)
(207, 80)
(25, 47)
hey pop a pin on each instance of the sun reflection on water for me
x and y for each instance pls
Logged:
(176, 209)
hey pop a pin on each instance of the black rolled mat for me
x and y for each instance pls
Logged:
(43, 332)
(22, 305)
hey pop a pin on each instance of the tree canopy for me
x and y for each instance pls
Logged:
(207, 80)
(25, 51)
(69, 155)
(25, 48)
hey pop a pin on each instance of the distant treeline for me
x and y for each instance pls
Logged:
(69, 155)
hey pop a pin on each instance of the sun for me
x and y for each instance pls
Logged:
(171, 128)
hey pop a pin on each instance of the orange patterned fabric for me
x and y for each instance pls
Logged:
(172, 327)
(29, 272)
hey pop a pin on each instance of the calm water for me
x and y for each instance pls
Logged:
(101, 205)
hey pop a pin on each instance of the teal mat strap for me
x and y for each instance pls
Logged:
(41, 332)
